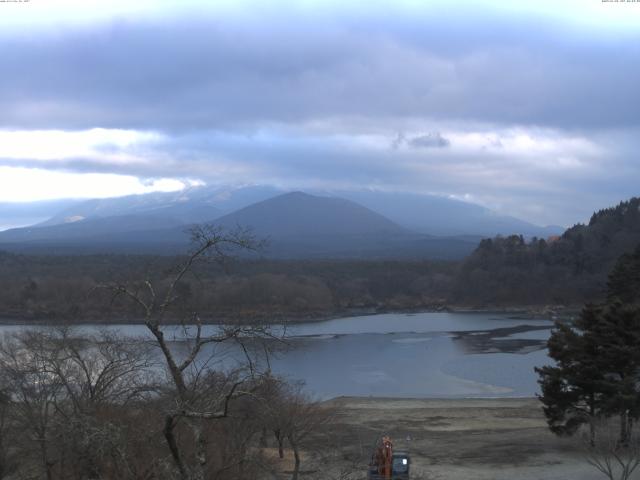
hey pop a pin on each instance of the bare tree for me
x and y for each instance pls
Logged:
(198, 393)
(292, 416)
(7, 461)
(608, 455)
(98, 369)
(102, 375)
(34, 393)
(305, 417)
(108, 406)
(62, 390)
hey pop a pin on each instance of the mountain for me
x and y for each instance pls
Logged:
(297, 225)
(338, 224)
(131, 220)
(438, 215)
(300, 214)
(191, 205)
(89, 228)
(428, 214)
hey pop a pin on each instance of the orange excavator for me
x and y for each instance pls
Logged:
(386, 464)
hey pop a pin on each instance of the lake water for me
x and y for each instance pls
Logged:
(406, 355)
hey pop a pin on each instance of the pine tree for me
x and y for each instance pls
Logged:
(624, 279)
(618, 332)
(572, 390)
(597, 371)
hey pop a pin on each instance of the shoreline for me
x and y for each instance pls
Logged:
(538, 312)
(447, 400)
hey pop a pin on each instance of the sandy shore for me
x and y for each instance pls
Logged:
(463, 439)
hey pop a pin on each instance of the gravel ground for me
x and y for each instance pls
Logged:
(462, 439)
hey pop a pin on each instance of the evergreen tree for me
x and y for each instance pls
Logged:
(597, 371)
(618, 332)
(572, 390)
(624, 279)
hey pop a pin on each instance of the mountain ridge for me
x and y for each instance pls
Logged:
(297, 224)
(309, 215)
(423, 213)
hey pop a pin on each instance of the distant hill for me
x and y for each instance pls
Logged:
(566, 269)
(427, 214)
(296, 224)
(309, 226)
(191, 205)
(131, 222)
(438, 215)
(88, 229)
(359, 224)
(301, 214)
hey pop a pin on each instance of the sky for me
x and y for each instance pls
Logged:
(528, 108)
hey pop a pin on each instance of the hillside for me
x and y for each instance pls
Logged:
(299, 214)
(439, 215)
(295, 225)
(89, 229)
(299, 225)
(191, 205)
(421, 213)
(567, 269)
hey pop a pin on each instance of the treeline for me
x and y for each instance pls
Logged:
(501, 272)
(64, 288)
(569, 269)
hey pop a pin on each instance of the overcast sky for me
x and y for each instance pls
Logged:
(533, 111)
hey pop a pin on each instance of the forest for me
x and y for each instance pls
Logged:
(503, 272)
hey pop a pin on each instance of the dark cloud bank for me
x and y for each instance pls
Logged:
(316, 84)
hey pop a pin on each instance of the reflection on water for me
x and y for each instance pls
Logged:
(399, 355)
(403, 365)
(416, 323)
(520, 339)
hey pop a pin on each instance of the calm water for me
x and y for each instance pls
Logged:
(406, 355)
(421, 355)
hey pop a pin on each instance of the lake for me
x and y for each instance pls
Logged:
(431, 354)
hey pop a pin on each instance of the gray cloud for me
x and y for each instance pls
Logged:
(398, 141)
(292, 101)
(429, 140)
(207, 73)
(530, 185)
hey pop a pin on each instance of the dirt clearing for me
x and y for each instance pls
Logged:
(464, 439)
